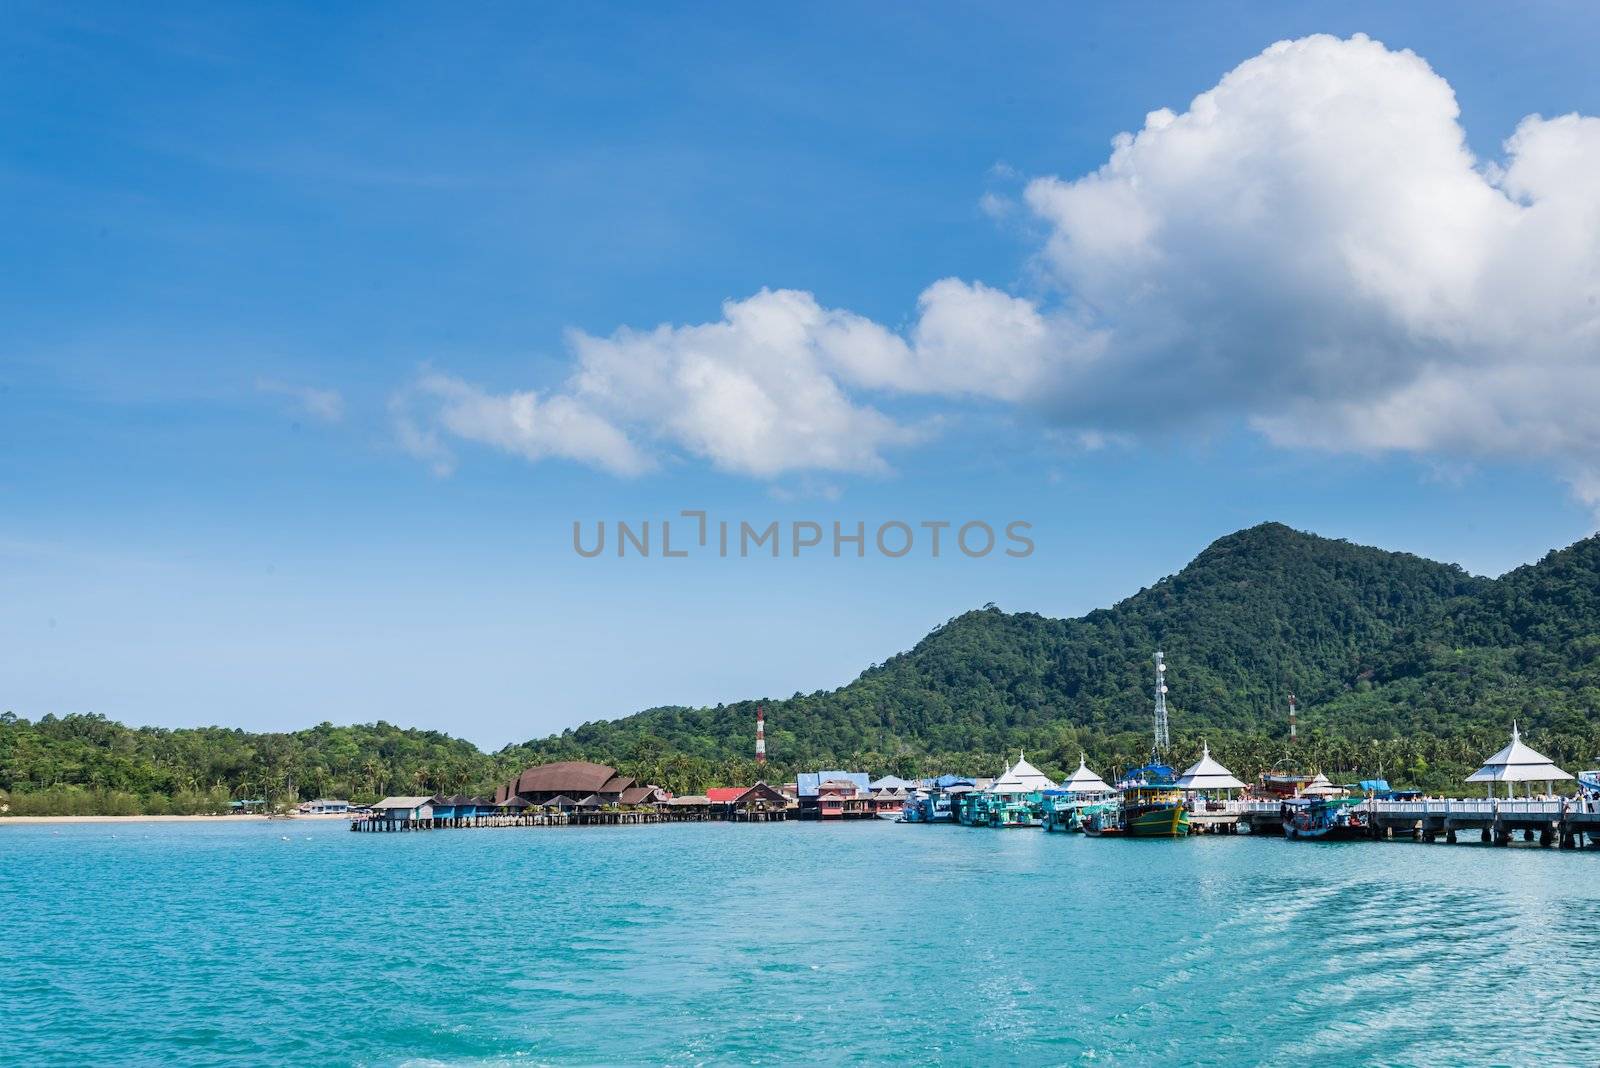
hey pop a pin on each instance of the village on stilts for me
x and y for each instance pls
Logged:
(1152, 800)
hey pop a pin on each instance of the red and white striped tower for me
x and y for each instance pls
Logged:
(761, 736)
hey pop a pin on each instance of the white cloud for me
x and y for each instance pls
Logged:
(519, 423)
(1312, 246)
(326, 405)
(757, 393)
(1309, 247)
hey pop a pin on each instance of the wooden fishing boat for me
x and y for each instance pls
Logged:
(1104, 822)
(1327, 819)
(1152, 804)
(1154, 810)
(1018, 812)
(1149, 808)
(1064, 808)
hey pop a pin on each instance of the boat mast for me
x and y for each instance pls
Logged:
(1162, 741)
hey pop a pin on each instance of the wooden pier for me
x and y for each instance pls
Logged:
(1215, 816)
(1570, 823)
(578, 818)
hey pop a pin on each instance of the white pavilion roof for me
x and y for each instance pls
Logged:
(1518, 763)
(1320, 787)
(1021, 778)
(1084, 781)
(1207, 774)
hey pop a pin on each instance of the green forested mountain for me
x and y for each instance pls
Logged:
(1403, 666)
(1257, 615)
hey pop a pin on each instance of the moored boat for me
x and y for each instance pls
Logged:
(1013, 800)
(1105, 821)
(937, 802)
(1329, 819)
(1152, 804)
(1083, 791)
(1154, 809)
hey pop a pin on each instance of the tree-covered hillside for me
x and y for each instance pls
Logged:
(1257, 615)
(86, 764)
(1404, 667)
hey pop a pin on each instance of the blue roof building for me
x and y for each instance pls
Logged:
(807, 782)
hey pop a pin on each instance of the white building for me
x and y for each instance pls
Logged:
(1207, 774)
(1084, 781)
(1517, 763)
(1021, 778)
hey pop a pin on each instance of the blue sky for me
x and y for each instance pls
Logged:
(276, 277)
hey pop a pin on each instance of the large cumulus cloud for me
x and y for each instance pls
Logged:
(1310, 246)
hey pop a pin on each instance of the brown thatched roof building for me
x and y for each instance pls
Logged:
(572, 778)
(644, 795)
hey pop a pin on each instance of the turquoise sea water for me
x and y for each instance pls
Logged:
(178, 944)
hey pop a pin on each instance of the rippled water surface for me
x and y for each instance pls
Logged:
(181, 944)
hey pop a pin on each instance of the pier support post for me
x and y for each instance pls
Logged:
(1450, 836)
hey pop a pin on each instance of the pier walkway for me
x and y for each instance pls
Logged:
(1570, 823)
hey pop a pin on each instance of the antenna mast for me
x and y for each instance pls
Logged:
(761, 736)
(1293, 735)
(1162, 741)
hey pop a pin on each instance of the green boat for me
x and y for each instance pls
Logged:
(1154, 810)
(1012, 800)
(1152, 804)
(1083, 794)
(1151, 807)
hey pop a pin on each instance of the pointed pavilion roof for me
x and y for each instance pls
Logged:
(1084, 781)
(1021, 778)
(1320, 787)
(1207, 774)
(1518, 763)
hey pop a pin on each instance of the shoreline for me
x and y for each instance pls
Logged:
(252, 818)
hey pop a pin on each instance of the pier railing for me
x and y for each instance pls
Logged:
(1481, 808)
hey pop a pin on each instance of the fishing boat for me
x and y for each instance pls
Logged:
(1152, 804)
(1013, 800)
(1329, 819)
(1083, 791)
(936, 802)
(1104, 821)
